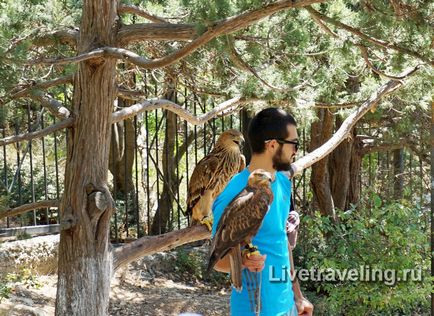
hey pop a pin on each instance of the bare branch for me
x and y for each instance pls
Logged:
(132, 9)
(28, 207)
(322, 25)
(346, 127)
(368, 38)
(75, 59)
(365, 56)
(55, 107)
(25, 89)
(67, 36)
(221, 109)
(148, 245)
(336, 105)
(156, 31)
(131, 94)
(41, 133)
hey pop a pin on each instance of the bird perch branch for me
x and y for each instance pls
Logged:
(149, 245)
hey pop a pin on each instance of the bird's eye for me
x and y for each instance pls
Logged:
(236, 142)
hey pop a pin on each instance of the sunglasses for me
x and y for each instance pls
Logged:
(284, 141)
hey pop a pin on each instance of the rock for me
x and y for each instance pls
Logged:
(38, 254)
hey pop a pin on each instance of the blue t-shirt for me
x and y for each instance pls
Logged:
(277, 297)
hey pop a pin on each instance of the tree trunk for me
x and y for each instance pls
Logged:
(353, 195)
(160, 223)
(122, 153)
(85, 260)
(339, 170)
(321, 131)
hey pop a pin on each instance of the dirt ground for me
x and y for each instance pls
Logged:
(159, 297)
(152, 286)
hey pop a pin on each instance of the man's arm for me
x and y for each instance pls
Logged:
(254, 263)
(304, 307)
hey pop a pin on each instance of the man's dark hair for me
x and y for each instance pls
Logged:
(268, 124)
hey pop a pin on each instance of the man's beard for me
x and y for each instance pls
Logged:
(278, 163)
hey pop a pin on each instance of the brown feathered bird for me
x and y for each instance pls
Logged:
(211, 175)
(240, 222)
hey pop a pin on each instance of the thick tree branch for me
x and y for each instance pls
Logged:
(41, 133)
(55, 107)
(346, 127)
(368, 38)
(28, 207)
(68, 36)
(226, 26)
(149, 105)
(148, 245)
(156, 31)
(132, 9)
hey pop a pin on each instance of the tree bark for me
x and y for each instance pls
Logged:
(122, 153)
(353, 195)
(160, 223)
(85, 260)
(321, 131)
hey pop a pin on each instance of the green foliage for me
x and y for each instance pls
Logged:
(24, 277)
(193, 264)
(5, 291)
(389, 236)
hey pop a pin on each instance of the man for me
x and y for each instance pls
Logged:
(273, 140)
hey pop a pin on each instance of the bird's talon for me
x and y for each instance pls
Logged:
(207, 222)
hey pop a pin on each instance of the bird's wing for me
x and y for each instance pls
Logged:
(241, 219)
(203, 174)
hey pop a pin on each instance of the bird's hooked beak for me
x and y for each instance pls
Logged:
(239, 141)
(267, 177)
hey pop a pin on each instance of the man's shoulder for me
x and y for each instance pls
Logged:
(283, 178)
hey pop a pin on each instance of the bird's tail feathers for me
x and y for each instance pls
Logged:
(211, 263)
(235, 260)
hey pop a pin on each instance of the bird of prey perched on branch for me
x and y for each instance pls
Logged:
(211, 175)
(240, 222)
